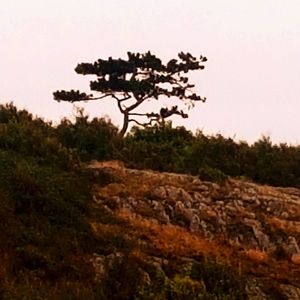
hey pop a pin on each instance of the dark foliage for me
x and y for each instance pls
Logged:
(158, 148)
(96, 139)
(212, 157)
(164, 148)
(43, 204)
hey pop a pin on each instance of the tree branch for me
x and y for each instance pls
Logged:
(122, 99)
(119, 101)
(96, 98)
(138, 114)
(143, 124)
(135, 105)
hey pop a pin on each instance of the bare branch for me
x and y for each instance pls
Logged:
(120, 106)
(137, 122)
(135, 105)
(122, 99)
(88, 98)
(127, 97)
(138, 114)
(119, 101)
(144, 124)
(96, 98)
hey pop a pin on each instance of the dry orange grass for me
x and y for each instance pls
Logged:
(112, 164)
(174, 240)
(138, 184)
(132, 188)
(110, 190)
(171, 240)
(107, 229)
(292, 227)
(294, 210)
(267, 190)
(295, 259)
(256, 255)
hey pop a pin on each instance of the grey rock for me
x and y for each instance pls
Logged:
(195, 224)
(254, 290)
(262, 239)
(159, 192)
(98, 263)
(290, 292)
(183, 213)
(291, 246)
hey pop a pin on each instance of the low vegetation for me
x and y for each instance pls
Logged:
(164, 148)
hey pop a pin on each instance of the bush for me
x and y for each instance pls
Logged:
(95, 139)
(44, 201)
(158, 148)
(212, 174)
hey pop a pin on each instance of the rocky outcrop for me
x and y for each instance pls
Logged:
(259, 223)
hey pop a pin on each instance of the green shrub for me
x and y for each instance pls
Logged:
(158, 148)
(44, 201)
(95, 139)
(212, 174)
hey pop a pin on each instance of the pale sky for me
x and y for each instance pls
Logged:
(251, 79)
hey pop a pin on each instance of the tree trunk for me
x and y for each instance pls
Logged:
(125, 125)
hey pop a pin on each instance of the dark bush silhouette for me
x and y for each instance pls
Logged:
(95, 139)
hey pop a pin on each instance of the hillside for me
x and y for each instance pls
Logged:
(143, 234)
(212, 235)
(78, 224)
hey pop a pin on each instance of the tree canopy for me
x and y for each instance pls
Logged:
(139, 78)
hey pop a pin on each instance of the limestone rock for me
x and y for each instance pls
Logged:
(159, 192)
(290, 292)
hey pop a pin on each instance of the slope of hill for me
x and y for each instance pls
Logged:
(99, 230)
(234, 238)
